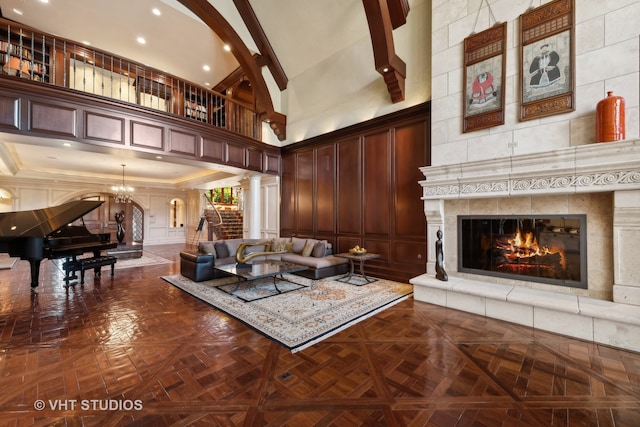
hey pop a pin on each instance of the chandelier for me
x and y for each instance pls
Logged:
(122, 193)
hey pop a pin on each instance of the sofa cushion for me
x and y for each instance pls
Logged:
(222, 250)
(298, 244)
(313, 262)
(232, 246)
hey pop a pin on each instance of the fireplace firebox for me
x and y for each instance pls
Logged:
(547, 248)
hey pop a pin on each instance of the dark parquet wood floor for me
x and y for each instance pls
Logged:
(134, 350)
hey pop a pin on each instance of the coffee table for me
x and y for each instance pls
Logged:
(361, 259)
(260, 270)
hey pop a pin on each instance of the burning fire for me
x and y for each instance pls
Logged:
(522, 247)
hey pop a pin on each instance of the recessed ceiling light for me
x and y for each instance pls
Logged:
(158, 157)
(156, 11)
(227, 48)
(67, 144)
(207, 83)
(17, 11)
(44, 1)
(385, 69)
(85, 42)
(206, 67)
(141, 40)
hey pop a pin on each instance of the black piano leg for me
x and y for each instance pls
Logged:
(35, 273)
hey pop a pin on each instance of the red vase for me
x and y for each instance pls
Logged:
(610, 119)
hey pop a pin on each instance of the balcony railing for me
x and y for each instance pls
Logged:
(46, 59)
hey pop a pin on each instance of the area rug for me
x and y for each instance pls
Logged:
(7, 262)
(145, 260)
(302, 317)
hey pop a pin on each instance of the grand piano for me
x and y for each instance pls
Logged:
(46, 233)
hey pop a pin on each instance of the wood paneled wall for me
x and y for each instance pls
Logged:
(359, 186)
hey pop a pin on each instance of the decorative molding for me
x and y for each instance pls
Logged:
(583, 169)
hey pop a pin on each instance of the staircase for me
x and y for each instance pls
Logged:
(231, 227)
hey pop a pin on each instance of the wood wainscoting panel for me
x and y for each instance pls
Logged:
(410, 148)
(213, 149)
(235, 155)
(325, 189)
(377, 199)
(182, 142)
(146, 135)
(101, 127)
(9, 112)
(361, 186)
(381, 247)
(305, 211)
(271, 163)
(254, 159)
(288, 199)
(349, 209)
(52, 119)
(410, 253)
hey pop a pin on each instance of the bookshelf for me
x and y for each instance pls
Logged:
(195, 107)
(23, 57)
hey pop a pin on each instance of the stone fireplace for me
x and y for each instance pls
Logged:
(598, 184)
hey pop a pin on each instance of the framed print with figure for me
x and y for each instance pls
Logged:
(547, 60)
(484, 78)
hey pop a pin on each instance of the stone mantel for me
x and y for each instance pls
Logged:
(577, 178)
(582, 169)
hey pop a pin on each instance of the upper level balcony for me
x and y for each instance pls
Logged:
(46, 59)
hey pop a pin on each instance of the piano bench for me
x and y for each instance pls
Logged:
(84, 264)
(96, 263)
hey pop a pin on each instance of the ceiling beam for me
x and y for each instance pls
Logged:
(260, 38)
(264, 105)
(398, 10)
(387, 62)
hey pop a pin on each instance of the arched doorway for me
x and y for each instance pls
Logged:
(103, 220)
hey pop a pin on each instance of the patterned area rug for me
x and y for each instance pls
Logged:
(302, 317)
(144, 260)
(7, 262)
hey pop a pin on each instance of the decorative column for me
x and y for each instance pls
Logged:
(254, 206)
(626, 235)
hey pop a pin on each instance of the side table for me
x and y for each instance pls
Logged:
(352, 260)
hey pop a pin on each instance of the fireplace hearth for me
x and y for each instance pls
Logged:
(547, 249)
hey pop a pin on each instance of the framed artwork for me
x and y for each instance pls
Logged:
(484, 78)
(547, 58)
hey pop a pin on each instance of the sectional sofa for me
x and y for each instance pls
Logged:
(315, 254)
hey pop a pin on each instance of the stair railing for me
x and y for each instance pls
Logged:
(213, 206)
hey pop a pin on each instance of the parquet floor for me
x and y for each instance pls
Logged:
(134, 350)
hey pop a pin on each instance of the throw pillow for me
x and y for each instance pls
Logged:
(319, 249)
(278, 245)
(221, 250)
(288, 247)
(207, 247)
(308, 248)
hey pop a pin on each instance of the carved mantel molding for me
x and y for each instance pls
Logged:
(583, 169)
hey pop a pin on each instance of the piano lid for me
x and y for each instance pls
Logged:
(43, 222)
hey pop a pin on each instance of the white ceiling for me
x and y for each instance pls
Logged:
(179, 44)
